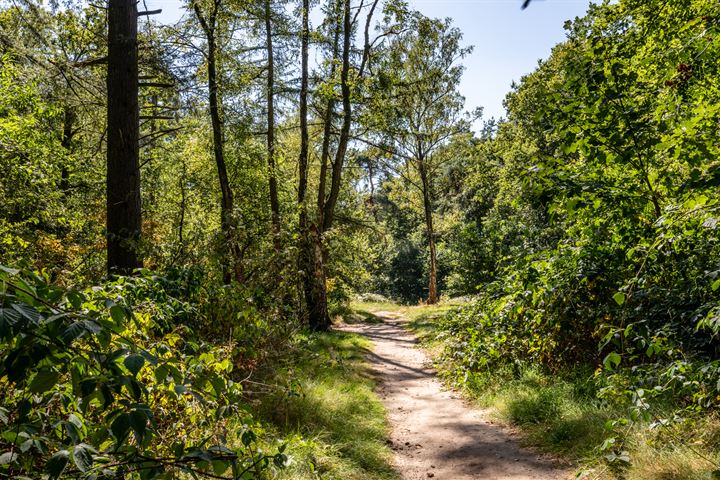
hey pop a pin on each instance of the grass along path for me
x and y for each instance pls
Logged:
(435, 433)
(328, 413)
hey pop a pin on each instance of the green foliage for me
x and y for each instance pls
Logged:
(97, 387)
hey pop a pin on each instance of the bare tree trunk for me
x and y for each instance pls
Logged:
(427, 206)
(232, 264)
(316, 290)
(304, 135)
(124, 215)
(310, 252)
(328, 124)
(67, 144)
(337, 166)
(183, 208)
(272, 180)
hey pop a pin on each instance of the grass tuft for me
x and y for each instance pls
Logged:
(333, 422)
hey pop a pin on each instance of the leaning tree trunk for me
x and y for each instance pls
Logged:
(337, 168)
(124, 217)
(427, 206)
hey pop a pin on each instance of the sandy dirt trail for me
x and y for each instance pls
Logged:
(435, 434)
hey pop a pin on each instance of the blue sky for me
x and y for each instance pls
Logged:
(508, 41)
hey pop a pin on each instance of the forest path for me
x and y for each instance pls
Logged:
(435, 434)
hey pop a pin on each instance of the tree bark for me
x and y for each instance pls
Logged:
(124, 216)
(304, 135)
(427, 207)
(272, 178)
(232, 262)
(311, 258)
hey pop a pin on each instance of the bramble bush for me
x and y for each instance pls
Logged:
(113, 381)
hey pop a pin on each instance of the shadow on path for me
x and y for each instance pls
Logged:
(434, 433)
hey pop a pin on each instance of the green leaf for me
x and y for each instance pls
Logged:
(8, 457)
(612, 360)
(120, 427)
(28, 312)
(43, 381)
(82, 457)
(118, 314)
(220, 466)
(75, 298)
(138, 422)
(57, 463)
(11, 271)
(715, 285)
(8, 318)
(78, 329)
(134, 363)
(619, 298)
(248, 437)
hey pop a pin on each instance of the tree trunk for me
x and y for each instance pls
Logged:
(311, 261)
(427, 206)
(304, 135)
(315, 288)
(272, 179)
(328, 123)
(232, 264)
(67, 144)
(337, 167)
(183, 208)
(124, 217)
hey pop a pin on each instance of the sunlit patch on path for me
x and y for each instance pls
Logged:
(434, 433)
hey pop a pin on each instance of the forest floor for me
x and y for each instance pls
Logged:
(435, 433)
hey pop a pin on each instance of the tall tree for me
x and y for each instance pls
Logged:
(311, 255)
(422, 110)
(124, 216)
(270, 94)
(342, 24)
(232, 264)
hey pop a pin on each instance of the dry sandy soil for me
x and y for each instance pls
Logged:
(435, 434)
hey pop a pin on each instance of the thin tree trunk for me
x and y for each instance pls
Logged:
(328, 123)
(371, 175)
(67, 144)
(304, 135)
(337, 167)
(124, 216)
(272, 179)
(336, 182)
(232, 264)
(427, 206)
(183, 207)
